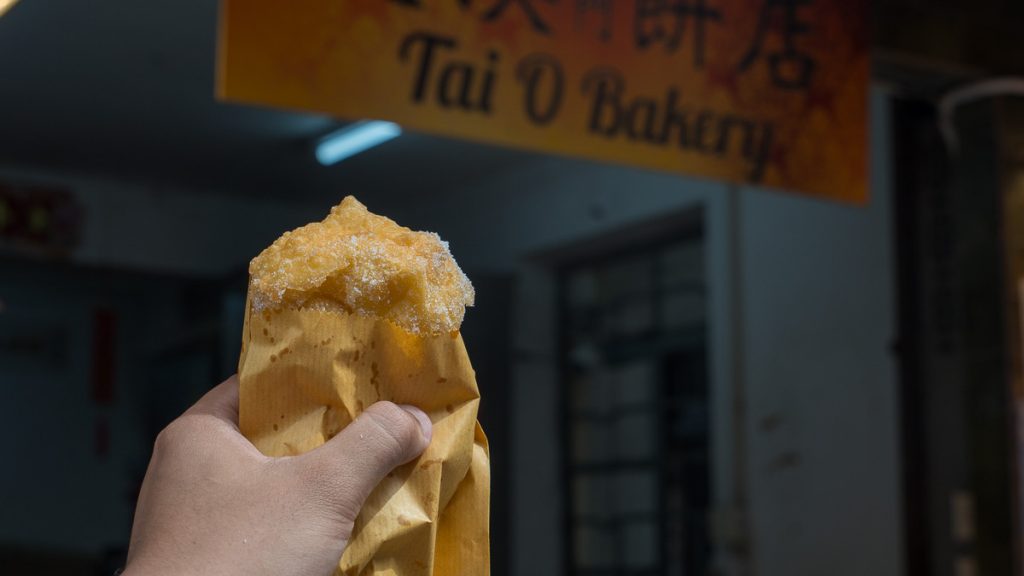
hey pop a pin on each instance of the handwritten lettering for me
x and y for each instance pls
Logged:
(790, 68)
(528, 9)
(668, 20)
(534, 72)
(664, 121)
(604, 8)
(457, 85)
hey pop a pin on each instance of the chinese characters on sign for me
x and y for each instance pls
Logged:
(802, 63)
(770, 92)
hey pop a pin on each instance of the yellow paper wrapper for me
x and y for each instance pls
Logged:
(306, 374)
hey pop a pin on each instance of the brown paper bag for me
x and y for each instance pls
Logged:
(306, 374)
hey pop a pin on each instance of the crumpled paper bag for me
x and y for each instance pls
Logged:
(306, 374)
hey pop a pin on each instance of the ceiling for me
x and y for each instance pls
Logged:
(124, 89)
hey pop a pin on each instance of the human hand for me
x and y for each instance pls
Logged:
(213, 504)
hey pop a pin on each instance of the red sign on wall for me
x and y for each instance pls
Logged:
(38, 220)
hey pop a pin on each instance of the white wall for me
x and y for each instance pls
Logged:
(819, 320)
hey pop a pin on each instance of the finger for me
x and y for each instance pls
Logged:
(349, 466)
(221, 402)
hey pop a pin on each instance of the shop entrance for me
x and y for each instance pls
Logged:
(636, 408)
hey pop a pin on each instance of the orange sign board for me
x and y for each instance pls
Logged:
(767, 92)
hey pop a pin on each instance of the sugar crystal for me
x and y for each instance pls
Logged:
(366, 264)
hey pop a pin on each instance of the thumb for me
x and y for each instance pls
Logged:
(348, 467)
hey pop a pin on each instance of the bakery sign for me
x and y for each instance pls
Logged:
(765, 92)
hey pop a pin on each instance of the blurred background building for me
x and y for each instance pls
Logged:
(679, 377)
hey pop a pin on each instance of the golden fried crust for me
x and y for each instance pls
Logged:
(364, 264)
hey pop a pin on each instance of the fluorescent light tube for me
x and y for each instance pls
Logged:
(353, 139)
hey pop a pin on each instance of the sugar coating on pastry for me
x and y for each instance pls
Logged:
(364, 264)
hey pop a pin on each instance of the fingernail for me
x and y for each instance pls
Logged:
(425, 425)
